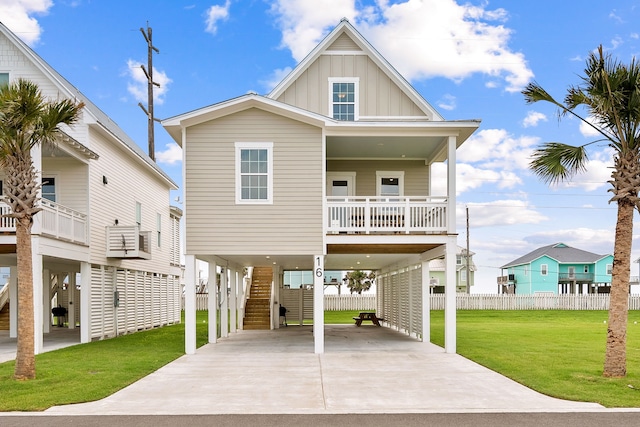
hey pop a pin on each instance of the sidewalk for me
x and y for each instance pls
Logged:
(363, 370)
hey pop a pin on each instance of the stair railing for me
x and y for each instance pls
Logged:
(4, 296)
(245, 295)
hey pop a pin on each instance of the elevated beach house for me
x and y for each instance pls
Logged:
(331, 170)
(105, 252)
(557, 269)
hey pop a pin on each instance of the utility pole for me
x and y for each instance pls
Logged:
(150, 84)
(468, 257)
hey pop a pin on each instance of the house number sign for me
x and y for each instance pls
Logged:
(319, 272)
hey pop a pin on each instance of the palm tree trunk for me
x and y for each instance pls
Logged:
(615, 362)
(25, 356)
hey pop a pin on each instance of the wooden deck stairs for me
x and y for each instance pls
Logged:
(257, 313)
(4, 318)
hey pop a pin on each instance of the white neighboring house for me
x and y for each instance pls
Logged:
(106, 244)
(331, 170)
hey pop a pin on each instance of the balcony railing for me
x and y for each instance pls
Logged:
(577, 277)
(56, 221)
(386, 215)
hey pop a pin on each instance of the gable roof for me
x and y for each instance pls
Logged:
(100, 118)
(558, 251)
(344, 36)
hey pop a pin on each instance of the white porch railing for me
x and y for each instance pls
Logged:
(386, 214)
(56, 221)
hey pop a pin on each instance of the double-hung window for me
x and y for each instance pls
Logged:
(343, 94)
(254, 172)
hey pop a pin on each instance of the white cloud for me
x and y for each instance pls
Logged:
(216, 13)
(533, 118)
(497, 149)
(422, 39)
(171, 155)
(596, 175)
(137, 85)
(499, 213)
(587, 130)
(276, 77)
(16, 15)
(447, 102)
(469, 178)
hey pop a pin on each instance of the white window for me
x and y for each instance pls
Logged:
(390, 184)
(586, 268)
(609, 268)
(463, 275)
(343, 99)
(4, 79)
(49, 188)
(254, 172)
(544, 269)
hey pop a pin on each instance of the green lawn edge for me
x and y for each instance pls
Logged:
(557, 353)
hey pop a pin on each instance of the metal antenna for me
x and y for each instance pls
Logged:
(149, 73)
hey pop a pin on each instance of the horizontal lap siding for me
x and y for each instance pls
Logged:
(379, 95)
(416, 174)
(71, 181)
(216, 225)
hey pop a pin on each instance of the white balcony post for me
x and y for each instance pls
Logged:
(451, 186)
(318, 303)
(224, 302)
(233, 304)
(426, 302)
(190, 304)
(212, 304)
(85, 302)
(450, 296)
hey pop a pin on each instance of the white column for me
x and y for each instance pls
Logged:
(46, 301)
(38, 295)
(190, 278)
(13, 301)
(451, 186)
(71, 313)
(241, 299)
(85, 302)
(212, 304)
(224, 302)
(233, 303)
(426, 302)
(318, 303)
(450, 297)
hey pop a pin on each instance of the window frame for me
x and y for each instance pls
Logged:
(544, 269)
(159, 229)
(356, 95)
(608, 269)
(53, 177)
(399, 175)
(138, 213)
(239, 147)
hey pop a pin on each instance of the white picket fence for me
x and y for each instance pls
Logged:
(474, 302)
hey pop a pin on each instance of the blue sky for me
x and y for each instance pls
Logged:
(468, 59)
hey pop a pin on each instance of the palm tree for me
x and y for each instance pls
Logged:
(610, 94)
(27, 119)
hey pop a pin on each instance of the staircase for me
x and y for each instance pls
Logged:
(257, 312)
(4, 318)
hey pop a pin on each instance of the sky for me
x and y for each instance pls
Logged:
(469, 59)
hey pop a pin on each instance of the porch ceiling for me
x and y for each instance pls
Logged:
(384, 147)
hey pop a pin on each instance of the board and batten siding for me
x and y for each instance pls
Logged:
(416, 174)
(379, 96)
(128, 182)
(215, 224)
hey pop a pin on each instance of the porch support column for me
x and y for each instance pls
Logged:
(38, 295)
(224, 302)
(318, 304)
(190, 279)
(71, 290)
(13, 301)
(85, 302)
(233, 303)
(212, 302)
(450, 296)
(451, 186)
(46, 301)
(426, 303)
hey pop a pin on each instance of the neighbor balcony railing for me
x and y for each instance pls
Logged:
(56, 221)
(386, 215)
(578, 277)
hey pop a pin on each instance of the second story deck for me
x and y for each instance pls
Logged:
(397, 215)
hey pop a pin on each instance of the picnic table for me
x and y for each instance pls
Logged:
(368, 316)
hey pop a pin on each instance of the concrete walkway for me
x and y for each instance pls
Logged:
(363, 370)
(57, 338)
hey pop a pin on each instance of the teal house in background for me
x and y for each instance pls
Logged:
(557, 269)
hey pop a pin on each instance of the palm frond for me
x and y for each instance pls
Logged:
(555, 162)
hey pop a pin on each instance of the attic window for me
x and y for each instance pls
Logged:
(343, 102)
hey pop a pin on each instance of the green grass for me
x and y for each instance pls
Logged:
(95, 370)
(558, 353)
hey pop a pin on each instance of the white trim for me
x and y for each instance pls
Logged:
(399, 175)
(350, 177)
(239, 146)
(356, 95)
